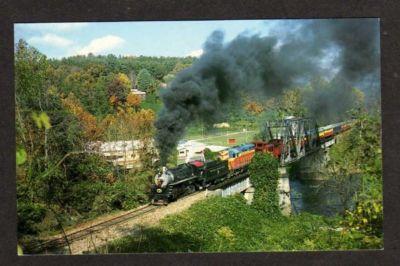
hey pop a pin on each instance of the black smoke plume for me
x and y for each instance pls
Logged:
(293, 54)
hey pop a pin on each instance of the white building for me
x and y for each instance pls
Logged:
(193, 150)
(221, 125)
(190, 150)
(139, 93)
(121, 153)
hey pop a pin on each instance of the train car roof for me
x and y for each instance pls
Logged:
(330, 126)
(233, 151)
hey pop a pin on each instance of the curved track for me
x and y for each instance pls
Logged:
(71, 237)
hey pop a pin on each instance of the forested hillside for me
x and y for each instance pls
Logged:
(61, 106)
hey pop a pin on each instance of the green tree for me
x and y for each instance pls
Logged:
(145, 81)
(30, 77)
(291, 103)
(168, 78)
(179, 67)
(358, 153)
(209, 155)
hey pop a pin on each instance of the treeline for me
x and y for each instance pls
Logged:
(158, 67)
(61, 106)
(312, 100)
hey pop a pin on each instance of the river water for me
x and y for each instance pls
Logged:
(322, 197)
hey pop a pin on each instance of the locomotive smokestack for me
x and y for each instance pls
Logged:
(267, 65)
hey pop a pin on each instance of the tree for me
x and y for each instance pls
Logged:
(254, 108)
(30, 72)
(209, 155)
(145, 81)
(133, 100)
(119, 87)
(291, 103)
(179, 67)
(168, 78)
(89, 123)
(358, 153)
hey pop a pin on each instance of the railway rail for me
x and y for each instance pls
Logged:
(67, 239)
(77, 235)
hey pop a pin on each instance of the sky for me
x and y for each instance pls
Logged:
(153, 38)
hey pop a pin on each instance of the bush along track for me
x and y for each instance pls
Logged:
(264, 177)
(230, 225)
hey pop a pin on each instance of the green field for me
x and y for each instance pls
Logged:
(221, 138)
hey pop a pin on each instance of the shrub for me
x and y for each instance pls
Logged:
(29, 215)
(83, 194)
(367, 217)
(87, 167)
(264, 177)
(209, 155)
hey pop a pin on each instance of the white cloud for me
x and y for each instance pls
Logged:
(55, 26)
(50, 39)
(101, 45)
(195, 53)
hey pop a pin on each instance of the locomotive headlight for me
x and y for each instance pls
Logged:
(159, 190)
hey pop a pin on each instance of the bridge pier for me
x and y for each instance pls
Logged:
(249, 195)
(283, 190)
(313, 165)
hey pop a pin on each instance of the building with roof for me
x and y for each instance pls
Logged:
(192, 150)
(139, 93)
(122, 153)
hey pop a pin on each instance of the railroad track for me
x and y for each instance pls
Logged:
(77, 235)
(88, 231)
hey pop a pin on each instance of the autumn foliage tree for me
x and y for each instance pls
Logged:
(87, 120)
(133, 100)
(119, 87)
(254, 107)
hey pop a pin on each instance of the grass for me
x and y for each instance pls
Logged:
(221, 137)
(151, 102)
(228, 224)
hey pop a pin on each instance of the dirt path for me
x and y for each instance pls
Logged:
(152, 218)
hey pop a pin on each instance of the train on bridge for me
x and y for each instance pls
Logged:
(287, 140)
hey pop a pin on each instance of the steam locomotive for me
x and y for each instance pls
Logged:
(170, 184)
